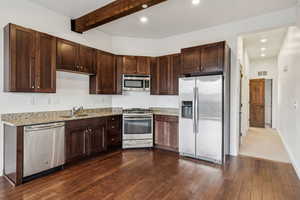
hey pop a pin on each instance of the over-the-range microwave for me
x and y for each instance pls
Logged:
(136, 83)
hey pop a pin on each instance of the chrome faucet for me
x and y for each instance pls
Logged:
(75, 110)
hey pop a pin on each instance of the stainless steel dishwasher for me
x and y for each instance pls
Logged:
(44, 147)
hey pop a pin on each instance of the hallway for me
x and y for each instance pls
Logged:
(264, 143)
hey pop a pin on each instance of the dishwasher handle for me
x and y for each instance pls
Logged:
(43, 127)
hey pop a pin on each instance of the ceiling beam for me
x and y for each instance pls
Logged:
(110, 12)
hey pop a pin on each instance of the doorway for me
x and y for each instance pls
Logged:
(258, 54)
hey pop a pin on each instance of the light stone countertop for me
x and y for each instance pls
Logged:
(34, 118)
(165, 111)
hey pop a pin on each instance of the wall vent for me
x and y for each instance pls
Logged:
(262, 73)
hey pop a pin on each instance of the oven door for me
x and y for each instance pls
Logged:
(137, 128)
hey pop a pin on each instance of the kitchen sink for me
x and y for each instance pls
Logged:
(74, 116)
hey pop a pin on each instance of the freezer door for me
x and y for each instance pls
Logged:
(187, 137)
(209, 136)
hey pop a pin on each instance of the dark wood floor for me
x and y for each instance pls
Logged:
(145, 174)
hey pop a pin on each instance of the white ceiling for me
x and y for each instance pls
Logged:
(275, 39)
(171, 17)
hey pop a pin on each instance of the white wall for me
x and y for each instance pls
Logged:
(228, 32)
(245, 92)
(144, 100)
(289, 93)
(270, 65)
(71, 89)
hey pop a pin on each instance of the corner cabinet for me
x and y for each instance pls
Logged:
(29, 60)
(205, 59)
(166, 132)
(107, 75)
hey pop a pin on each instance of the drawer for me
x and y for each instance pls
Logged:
(166, 118)
(114, 140)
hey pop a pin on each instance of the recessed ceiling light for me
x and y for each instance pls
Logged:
(263, 49)
(264, 40)
(195, 2)
(144, 6)
(263, 55)
(144, 19)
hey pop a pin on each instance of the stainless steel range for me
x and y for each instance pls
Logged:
(137, 128)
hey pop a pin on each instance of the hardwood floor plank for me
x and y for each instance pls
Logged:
(161, 175)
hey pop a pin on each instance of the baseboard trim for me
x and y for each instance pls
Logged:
(292, 158)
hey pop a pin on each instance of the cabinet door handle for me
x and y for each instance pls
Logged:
(84, 141)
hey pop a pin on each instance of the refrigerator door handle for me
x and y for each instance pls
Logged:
(194, 111)
(197, 110)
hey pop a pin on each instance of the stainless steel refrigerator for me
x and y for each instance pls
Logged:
(204, 118)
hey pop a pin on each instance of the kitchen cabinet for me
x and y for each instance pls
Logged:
(165, 75)
(106, 79)
(85, 138)
(205, 59)
(136, 65)
(143, 65)
(166, 132)
(74, 57)
(29, 60)
(154, 89)
(114, 131)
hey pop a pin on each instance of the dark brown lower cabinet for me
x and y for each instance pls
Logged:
(114, 132)
(166, 132)
(84, 138)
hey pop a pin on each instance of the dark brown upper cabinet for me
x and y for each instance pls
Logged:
(73, 57)
(139, 65)
(165, 71)
(203, 59)
(29, 60)
(105, 82)
(154, 89)
(143, 65)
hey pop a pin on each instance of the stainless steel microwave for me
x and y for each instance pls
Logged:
(136, 83)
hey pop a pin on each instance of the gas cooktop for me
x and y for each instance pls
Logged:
(137, 111)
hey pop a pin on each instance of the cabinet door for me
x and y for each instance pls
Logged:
(175, 73)
(154, 76)
(106, 73)
(46, 63)
(164, 75)
(212, 57)
(166, 132)
(76, 143)
(20, 43)
(129, 65)
(87, 59)
(143, 65)
(191, 60)
(67, 55)
(97, 137)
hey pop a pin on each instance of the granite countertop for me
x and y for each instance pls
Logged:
(34, 118)
(165, 111)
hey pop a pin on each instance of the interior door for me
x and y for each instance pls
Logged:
(257, 103)
(186, 123)
(209, 137)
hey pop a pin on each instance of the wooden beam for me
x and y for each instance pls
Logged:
(110, 12)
